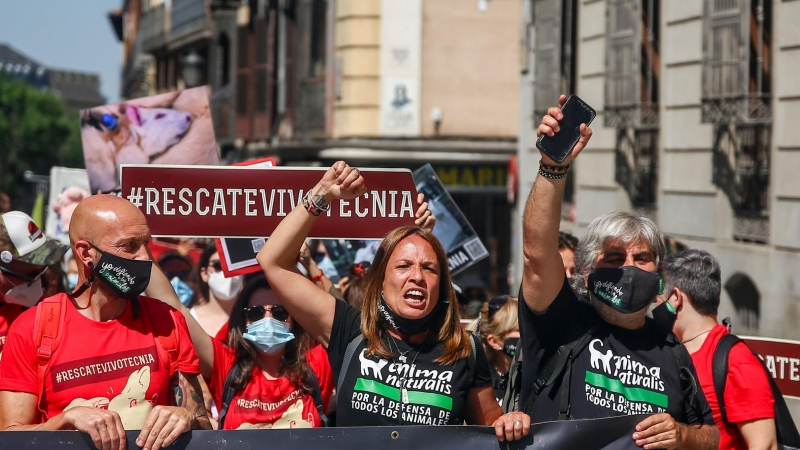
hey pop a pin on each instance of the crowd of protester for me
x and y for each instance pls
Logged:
(603, 326)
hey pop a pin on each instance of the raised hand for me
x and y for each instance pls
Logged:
(424, 217)
(340, 182)
(550, 126)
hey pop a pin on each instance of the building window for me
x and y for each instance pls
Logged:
(632, 63)
(637, 165)
(736, 61)
(555, 25)
(736, 99)
(318, 39)
(224, 60)
(741, 171)
(631, 101)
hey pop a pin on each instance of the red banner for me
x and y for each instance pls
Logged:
(216, 201)
(782, 358)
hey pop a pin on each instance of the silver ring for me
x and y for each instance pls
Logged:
(517, 423)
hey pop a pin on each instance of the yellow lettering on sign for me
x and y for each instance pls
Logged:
(447, 176)
(485, 177)
(472, 176)
(467, 178)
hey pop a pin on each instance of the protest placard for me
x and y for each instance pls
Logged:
(172, 128)
(464, 247)
(611, 433)
(782, 358)
(214, 201)
(67, 188)
(238, 255)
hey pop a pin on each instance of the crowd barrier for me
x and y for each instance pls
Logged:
(600, 434)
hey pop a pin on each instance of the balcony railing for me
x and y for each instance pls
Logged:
(640, 115)
(188, 16)
(152, 29)
(740, 109)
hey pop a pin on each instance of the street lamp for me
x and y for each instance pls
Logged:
(192, 70)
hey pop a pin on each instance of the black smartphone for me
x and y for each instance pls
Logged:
(575, 112)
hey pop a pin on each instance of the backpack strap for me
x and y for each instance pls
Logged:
(348, 356)
(227, 393)
(559, 366)
(316, 394)
(50, 314)
(162, 323)
(785, 428)
(688, 382)
(514, 385)
(719, 371)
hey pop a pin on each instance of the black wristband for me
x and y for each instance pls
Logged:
(552, 176)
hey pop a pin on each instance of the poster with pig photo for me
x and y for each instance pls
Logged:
(173, 128)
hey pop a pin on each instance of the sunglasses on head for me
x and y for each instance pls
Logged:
(216, 264)
(256, 313)
(495, 304)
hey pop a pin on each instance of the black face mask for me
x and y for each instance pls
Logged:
(665, 315)
(626, 289)
(407, 327)
(125, 277)
(510, 346)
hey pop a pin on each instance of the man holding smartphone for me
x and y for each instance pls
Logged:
(589, 352)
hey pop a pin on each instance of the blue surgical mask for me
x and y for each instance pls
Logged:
(72, 281)
(269, 335)
(183, 290)
(327, 267)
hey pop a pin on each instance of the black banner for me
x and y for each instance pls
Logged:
(612, 433)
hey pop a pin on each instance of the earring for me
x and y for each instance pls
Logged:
(90, 264)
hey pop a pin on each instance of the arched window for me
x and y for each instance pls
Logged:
(746, 299)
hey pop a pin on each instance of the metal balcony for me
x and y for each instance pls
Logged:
(189, 17)
(754, 108)
(152, 29)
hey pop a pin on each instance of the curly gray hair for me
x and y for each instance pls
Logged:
(623, 226)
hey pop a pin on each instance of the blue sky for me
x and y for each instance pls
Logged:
(66, 34)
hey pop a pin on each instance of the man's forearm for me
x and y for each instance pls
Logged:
(53, 424)
(543, 273)
(542, 217)
(699, 437)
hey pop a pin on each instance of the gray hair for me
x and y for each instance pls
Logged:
(697, 273)
(623, 226)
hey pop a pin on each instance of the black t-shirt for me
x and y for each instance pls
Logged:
(372, 393)
(620, 372)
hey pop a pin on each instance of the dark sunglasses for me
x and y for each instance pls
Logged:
(181, 274)
(256, 313)
(495, 304)
(216, 264)
(318, 256)
(27, 278)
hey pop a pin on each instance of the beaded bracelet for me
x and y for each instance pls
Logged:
(556, 169)
(313, 208)
(552, 176)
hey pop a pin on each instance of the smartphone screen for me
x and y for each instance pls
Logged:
(575, 112)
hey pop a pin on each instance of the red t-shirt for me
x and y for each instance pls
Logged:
(270, 403)
(114, 365)
(8, 313)
(748, 395)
